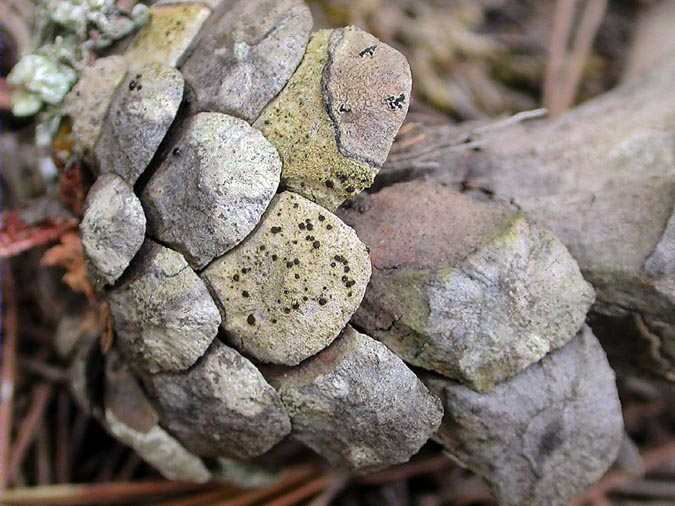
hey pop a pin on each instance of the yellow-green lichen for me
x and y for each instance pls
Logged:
(168, 35)
(297, 123)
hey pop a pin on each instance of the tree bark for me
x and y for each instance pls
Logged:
(602, 177)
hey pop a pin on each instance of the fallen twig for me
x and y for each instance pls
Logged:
(42, 394)
(564, 69)
(46, 371)
(17, 237)
(406, 471)
(514, 119)
(8, 375)
(616, 479)
(99, 493)
(304, 492)
(63, 438)
(228, 496)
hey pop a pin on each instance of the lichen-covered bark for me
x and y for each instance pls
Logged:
(211, 190)
(602, 178)
(141, 111)
(246, 54)
(543, 436)
(289, 289)
(112, 228)
(357, 404)
(164, 316)
(467, 288)
(334, 122)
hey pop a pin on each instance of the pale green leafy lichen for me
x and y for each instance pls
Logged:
(66, 33)
(39, 79)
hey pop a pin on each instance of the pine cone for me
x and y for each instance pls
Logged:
(224, 141)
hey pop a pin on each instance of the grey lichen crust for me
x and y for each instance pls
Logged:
(466, 288)
(159, 449)
(334, 122)
(357, 404)
(289, 289)
(140, 114)
(88, 101)
(662, 260)
(213, 187)
(130, 417)
(164, 316)
(221, 407)
(112, 228)
(543, 436)
(246, 54)
(366, 86)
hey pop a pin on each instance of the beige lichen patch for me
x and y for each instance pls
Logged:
(298, 124)
(288, 290)
(168, 35)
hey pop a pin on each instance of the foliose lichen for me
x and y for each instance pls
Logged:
(65, 35)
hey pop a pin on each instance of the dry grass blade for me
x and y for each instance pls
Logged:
(100, 493)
